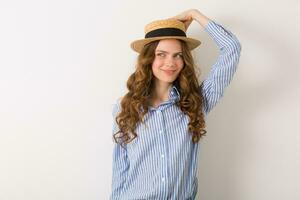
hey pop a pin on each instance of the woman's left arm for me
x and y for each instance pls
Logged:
(221, 73)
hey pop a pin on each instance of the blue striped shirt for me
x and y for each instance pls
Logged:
(161, 163)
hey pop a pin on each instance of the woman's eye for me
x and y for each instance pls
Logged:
(163, 55)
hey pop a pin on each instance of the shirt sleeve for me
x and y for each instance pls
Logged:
(223, 69)
(120, 163)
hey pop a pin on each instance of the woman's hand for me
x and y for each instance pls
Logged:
(186, 17)
(192, 14)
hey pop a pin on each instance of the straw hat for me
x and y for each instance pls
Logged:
(164, 29)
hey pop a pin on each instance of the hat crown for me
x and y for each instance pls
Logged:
(164, 29)
(165, 23)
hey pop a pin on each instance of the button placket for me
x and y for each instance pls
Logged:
(163, 153)
(161, 118)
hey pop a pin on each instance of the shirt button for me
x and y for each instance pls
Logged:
(162, 155)
(162, 179)
(160, 131)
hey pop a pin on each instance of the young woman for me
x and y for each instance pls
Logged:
(159, 122)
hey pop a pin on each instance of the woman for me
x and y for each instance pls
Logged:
(159, 122)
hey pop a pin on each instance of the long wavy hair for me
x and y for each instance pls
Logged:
(140, 85)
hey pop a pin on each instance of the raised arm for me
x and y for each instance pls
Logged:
(222, 71)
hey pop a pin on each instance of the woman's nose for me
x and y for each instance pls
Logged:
(170, 62)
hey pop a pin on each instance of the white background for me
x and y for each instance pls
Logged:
(63, 64)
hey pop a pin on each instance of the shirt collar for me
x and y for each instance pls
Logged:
(174, 96)
(174, 93)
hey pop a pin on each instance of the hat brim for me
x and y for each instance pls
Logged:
(138, 45)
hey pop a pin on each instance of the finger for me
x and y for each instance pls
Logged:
(181, 17)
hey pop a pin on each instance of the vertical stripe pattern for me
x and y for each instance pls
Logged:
(161, 163)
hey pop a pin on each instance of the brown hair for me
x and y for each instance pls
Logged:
(140, 84)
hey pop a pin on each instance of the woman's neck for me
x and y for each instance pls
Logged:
(160, 93)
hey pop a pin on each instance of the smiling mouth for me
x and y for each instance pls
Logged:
(169, 72)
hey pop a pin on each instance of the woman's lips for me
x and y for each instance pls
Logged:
(169, 72)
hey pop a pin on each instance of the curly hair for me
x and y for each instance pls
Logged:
(140, 85)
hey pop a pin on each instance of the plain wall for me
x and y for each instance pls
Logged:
(63, 64)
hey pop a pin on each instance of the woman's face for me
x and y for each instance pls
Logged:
(168, 61)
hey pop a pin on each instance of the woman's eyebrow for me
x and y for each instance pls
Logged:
(168, 52)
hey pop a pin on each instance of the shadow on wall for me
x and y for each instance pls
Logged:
(228, 142)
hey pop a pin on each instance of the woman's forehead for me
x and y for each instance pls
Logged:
(169, 45)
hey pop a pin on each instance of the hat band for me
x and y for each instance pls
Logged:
(165, 32)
